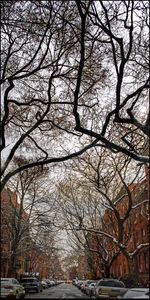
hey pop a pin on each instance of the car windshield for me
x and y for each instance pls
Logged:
(92, 284)
(89, 282)
(4, 281)
(111, 283)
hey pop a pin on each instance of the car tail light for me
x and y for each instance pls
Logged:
(8, 286)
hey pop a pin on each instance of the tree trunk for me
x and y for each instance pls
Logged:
(12, 266)
(132, 278)
(106, 270)
(130, 266)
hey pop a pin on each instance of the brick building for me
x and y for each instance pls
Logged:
(7, 199)
(37, 261)
(82, 267)
(28, 256)
(136, 232)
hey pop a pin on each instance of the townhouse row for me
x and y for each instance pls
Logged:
(111, 260)
(20, 254)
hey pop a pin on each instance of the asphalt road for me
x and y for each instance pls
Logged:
(61, 291)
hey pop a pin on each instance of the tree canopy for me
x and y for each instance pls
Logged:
(75, 74)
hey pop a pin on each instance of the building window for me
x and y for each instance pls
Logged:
(140, 216)
(135, 218)
(146, 206)
(136, 238)
(148, 230)
(146, 260)
(143, 233)
(140, 263)
(124, 269)
(120, 271)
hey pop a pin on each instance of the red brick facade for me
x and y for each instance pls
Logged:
(7, 198)
(30, 258)
(136, 232)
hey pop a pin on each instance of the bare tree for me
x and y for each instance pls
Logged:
(19, 213)
(63, 64)
(104, 184)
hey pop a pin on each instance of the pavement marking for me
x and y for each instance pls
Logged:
(63, 296)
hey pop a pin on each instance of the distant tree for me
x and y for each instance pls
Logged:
(75, 74)
(69, 263)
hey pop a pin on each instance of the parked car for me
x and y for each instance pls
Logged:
(31, 284)
(109, 288)
(52, 282)
(11, 288)
(60, 281)
(85, 285)
(80, 282)
(74, 281)
(90, 288)
(48, 282)
(44, 284)
(138, 293)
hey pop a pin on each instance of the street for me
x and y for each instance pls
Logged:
(62, 291)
